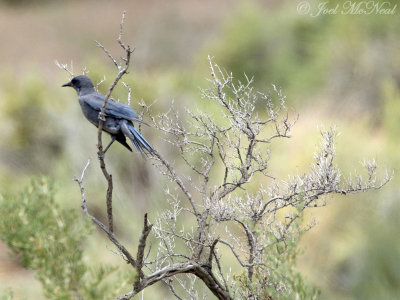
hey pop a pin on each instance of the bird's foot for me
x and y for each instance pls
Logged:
(100, 155)
(101, 117)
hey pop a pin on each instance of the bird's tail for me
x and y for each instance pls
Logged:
(137, 139)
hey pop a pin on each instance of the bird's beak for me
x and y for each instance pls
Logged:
(67, 84)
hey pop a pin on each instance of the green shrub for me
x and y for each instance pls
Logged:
(50, 240)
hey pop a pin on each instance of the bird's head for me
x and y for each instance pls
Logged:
(82, 85)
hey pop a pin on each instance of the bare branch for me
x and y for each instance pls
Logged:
(113, 239)
(178, 181)
(65, 68)
(108, 54)
(122, 70)
(141, 247)
(181, 268)
(129, 92)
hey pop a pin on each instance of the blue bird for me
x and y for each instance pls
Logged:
(118, 117)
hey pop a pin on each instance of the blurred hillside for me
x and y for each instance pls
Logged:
(335, 69)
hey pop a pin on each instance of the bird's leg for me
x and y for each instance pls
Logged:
(108, 146)
(101, 154)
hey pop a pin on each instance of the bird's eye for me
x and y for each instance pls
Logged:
(74, 81)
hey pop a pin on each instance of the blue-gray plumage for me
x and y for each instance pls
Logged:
(118, 117)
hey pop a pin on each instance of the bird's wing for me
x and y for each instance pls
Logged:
(114, 109)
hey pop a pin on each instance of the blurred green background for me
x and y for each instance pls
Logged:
(339, 69)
